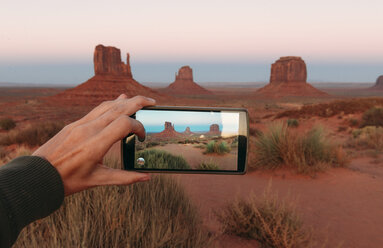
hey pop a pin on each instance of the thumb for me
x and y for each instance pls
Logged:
(104, 175)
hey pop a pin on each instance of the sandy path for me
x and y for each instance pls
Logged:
(194, 156)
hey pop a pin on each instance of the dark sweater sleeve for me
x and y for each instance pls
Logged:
(30, 189)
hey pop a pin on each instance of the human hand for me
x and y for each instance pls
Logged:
(78, 149)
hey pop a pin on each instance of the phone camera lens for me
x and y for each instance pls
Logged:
(141, 161)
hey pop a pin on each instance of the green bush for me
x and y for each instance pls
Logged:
(273, 223)
(373, 117)
(208, 166)
(156, 159)
(217, 147)
(7, 124)
(34, 135)
(151, 214)
(306, 152)
(292, 123)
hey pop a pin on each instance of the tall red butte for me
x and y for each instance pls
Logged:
(112, 78)
(185, 85)
(379, 83)
(288, 78)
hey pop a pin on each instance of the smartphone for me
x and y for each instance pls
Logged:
(189, 140)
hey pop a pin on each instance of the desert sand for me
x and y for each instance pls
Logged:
(342, 205)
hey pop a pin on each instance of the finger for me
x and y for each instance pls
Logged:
(122, 96)
(116, 131)
(108, 105)
(122, 108)
(104, 175)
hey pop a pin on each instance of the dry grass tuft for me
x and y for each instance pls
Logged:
(217, 147)
(34, 135)
(20, 151)
(152, 214)
(307, 152)
(7, 124)
(369, 137)
(270, 221)
(373, 117)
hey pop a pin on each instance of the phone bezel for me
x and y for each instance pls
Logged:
(128, 149)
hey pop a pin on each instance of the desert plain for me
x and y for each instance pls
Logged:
(341, 204)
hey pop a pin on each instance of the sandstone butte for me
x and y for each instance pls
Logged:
(379, 83)
(214, 130)
(112, 78)
(184, 84)
(288, 78)
(187, 131)
(168, 131)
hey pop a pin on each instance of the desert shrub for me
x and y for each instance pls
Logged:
(217, 147)
(34, 135)
(254, 131)
(7, 124)
(306, 152)
(369, 137)
(373, 117)
(207, 166)
(157, 159)
(270, 221)
(292, 123)
(353, 122)
(152, 214)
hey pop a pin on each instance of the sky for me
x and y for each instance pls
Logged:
(154, 120)
(224, 41)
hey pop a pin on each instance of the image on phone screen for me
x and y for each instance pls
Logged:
(188, 140)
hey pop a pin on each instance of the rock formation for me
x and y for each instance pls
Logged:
(107, 61)
(288, 78)
(187, 131)
(214, 130)
(112, 78)
(379, 83)
(184, 84)
(168, 131)
(288, 69)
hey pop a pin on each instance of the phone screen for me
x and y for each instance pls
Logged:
(188, 140)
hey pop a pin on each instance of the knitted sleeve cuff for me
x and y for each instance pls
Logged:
(30, 189)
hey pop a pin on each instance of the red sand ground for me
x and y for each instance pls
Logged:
(341, 205)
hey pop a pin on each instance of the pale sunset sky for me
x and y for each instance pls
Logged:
(223, 41)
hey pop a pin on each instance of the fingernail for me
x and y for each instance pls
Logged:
(151, 99)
